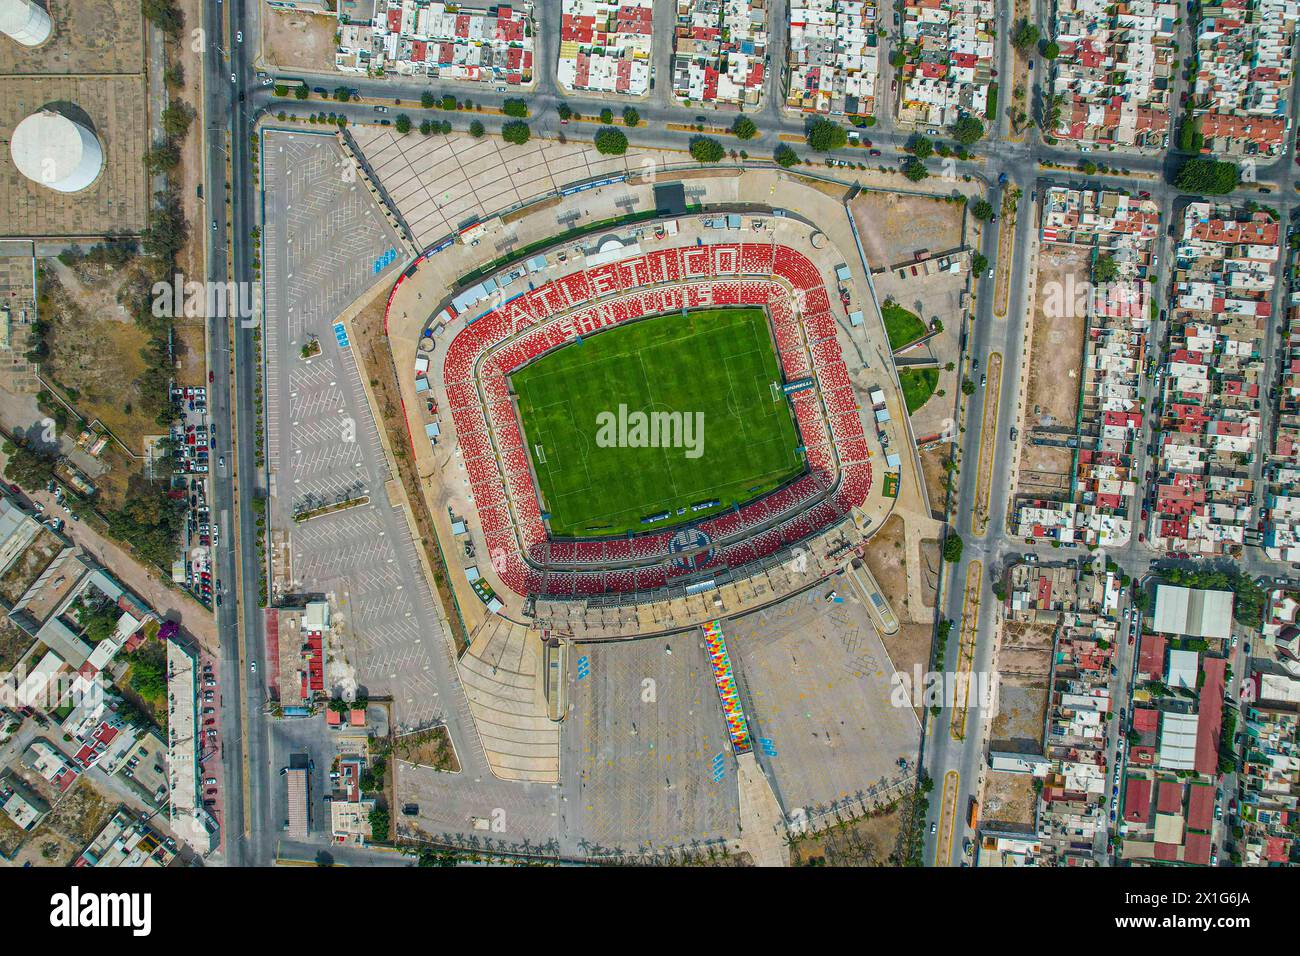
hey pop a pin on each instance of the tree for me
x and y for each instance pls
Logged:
(379, 825)
(426, 127)
(176, 118)
(516, 131)
(607, 115)
(427, 99)
(302, 92)
(952, 547)
(967, 387)
(1105, 269)
(564, 110)
(611, 141)
(826, 136)
(981, 210)
(1208, 176)
(897, 59)
(920, 147)
(448, 102)
(517, 108)
(631, 117)
(1051, 50)
(476, 129)
(164, 15)
(1025, 36)
(402, 124)
(163, 158)
(979, 262)
(785, 156)
(915, 170)
(744, 128)
(28, 466)
(706, 149)
(967, 130)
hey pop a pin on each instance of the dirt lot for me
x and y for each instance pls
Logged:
(429, 748)
(14, 642)
(1054, 369)
(73, 821)
(1008, 800)
(887, 559)
(95, 347)
(867, 841)
(89, 36)
(295, 40)
(36, 557)
(936, 478)
(894, 227)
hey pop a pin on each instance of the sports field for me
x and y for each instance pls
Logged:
(598, 415)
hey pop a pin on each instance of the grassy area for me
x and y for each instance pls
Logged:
(901, 325)
(599, 478)
(918, 385)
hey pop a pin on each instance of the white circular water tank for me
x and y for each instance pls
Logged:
(50, 149)
(25, 21)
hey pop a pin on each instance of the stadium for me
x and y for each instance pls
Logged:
(642, 426)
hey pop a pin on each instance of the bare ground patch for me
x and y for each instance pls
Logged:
(428, 748)
(1052, 400)
(867, 841)
(36, 557)
(936, 476)
(299, 40)
(95, 349)
(894, 227)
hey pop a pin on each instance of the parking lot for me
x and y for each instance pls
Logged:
(326, 243)
(647, 763)
(815, 683)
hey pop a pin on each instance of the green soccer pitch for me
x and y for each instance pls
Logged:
(717, 362)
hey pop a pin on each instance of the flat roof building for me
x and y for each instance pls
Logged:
(1193, 612)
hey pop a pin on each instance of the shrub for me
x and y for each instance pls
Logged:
(706, 149)
(611, 141)
(516, 131)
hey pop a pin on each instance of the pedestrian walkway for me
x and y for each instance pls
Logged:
(502, 676)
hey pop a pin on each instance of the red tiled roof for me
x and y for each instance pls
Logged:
(1200, 807)
(1137, 800)
(1145, 720)
(1209, 726)
(1151, 662)
(1196, 849)
(1169, 799)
